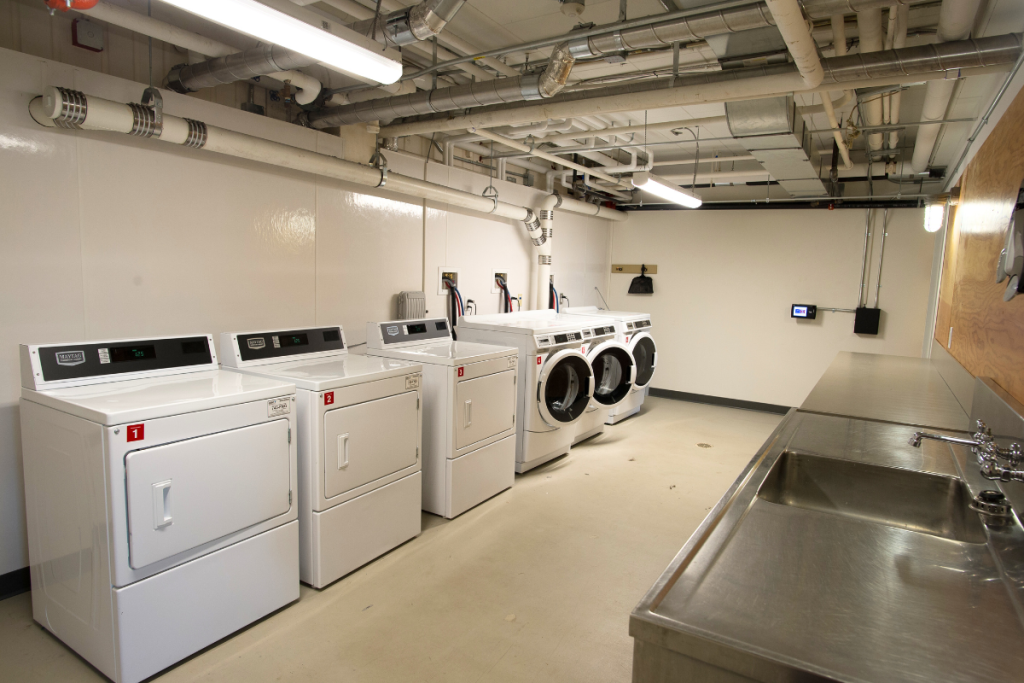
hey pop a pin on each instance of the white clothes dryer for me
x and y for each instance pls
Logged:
(159, 498)
(469, 416)
(614, 376)
(556, 381)
(634, 330)
(359, 426)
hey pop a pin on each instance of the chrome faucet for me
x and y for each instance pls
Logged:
(988, 451)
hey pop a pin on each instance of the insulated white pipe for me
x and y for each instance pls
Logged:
(869, 26)
(105, 115)
(485, 152)
(899, 41)
(550, 157)
(169, 33)
(789, 19)
(956, 17)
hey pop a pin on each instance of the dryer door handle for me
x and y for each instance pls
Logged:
(162, 505)
(342, 451)
(468, 419)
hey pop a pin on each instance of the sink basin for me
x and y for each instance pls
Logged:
(916, 501)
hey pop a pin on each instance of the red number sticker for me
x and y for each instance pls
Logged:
(462, 371)
(329, 398)
(538, 359)
(136, 432)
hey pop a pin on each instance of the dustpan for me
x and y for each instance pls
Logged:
(642, 283)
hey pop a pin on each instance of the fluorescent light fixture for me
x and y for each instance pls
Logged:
(933, 217)
(269, 25)
(666, 189)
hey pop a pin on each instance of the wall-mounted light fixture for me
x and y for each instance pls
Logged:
(935, 214)
(666, 189)
(268, 24)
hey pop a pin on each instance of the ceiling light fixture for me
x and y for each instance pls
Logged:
(267, 24)
(666, 189)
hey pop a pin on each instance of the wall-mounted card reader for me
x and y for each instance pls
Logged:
(805, 311)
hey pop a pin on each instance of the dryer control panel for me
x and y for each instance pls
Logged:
(242, 349)
(396, 333)
(55, 365)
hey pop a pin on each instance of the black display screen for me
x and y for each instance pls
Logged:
(332, 335)
(441, 325)
(417, 329)
(294, 340)
(561, 338)
(123, 354)
(190, 347)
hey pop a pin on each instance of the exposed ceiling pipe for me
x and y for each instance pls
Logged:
(908, 65)
(956, 17)
(59, 107)
(173, 35)
(869, 25)
(419, 22)
(479, 149)
(705, 160)
(551, 157)
(899, 41)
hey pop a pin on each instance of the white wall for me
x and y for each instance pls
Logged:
(726, 280)
(108, 236)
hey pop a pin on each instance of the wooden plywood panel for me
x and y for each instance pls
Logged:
(988, 333)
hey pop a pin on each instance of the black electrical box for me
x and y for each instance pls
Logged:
(804, 311)
(866, 321)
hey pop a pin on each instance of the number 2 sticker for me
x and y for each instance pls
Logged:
(329, 398)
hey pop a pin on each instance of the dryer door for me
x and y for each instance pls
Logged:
(187, 493)
(565, 388)
(614, 372)
(645, 353)
(484, 406)
(367, 441)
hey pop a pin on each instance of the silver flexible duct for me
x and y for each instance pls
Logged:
(478, 94)
(564, 55)
(410, 25)
(760, 81)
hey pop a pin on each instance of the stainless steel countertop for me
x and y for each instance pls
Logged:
(887, 388)
(779, 592)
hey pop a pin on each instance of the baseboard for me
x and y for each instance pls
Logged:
(15, 583)
(719, 401)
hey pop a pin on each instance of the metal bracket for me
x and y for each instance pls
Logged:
(491, 192)
(381, 163)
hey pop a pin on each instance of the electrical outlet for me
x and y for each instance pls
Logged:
(494, 280)
(445, 273)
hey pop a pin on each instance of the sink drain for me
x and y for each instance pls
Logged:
(703, 445)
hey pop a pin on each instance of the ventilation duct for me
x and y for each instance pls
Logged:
(416, 23)
(776, 136)
(500, 91)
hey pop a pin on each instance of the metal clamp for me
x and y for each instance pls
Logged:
(196, 138)
(381, 163)
(148, 117)
(73, 108)
(491, 192)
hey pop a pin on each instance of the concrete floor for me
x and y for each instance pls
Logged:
(534, 585)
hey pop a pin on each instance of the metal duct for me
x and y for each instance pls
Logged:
(733, 84)
(478, 94)
(241, 66)
(411, 25)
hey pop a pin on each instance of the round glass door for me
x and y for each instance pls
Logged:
(566, 386)
(614, 372)
(645, 353)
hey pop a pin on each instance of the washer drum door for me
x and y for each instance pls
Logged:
(565, 388)
(614, 372)
(645, 353)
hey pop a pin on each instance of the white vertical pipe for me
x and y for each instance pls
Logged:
(900, 41)
(869, 27)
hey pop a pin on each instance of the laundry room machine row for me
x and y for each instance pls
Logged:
(359, 440)
(159, 495)
(614, 377)
(469, 418)
(633, 329)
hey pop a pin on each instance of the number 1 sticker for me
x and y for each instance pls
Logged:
(136, 432)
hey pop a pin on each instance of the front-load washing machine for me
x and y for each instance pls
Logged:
(634, 330)
(469, 416)
(359, 443)
(614, 375)
(556, 381)
(159, 498)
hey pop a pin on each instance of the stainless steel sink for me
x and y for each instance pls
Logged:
(916, 501)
